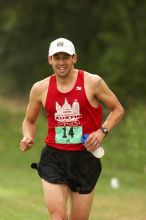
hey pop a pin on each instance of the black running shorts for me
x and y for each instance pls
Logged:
(80, 170)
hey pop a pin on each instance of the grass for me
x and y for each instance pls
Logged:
(21, 196)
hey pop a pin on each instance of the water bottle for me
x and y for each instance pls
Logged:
(99, 152)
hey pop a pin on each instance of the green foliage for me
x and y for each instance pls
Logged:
(125, 145)
(21, 190)
(109, 37)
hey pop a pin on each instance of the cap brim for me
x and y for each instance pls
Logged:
(58, 50)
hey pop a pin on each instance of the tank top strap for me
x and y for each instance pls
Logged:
(80, 79)
(81, 74)
(51, 87)
(52, 84)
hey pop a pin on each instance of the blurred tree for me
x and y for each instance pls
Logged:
(109, 37)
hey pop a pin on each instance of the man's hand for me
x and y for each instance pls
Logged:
(94, 140)
(26, 143)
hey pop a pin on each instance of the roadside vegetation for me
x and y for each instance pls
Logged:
(21, 195)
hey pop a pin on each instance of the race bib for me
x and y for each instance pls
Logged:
(68, 134)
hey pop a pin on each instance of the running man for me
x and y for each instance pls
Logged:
(71, 99)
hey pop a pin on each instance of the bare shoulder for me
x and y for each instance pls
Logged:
(40, 85)
(98, 85)
(39, 88)
(92, 79)
(101, 91)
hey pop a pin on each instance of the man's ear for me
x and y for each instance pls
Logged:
(50, 60)
(75, 58)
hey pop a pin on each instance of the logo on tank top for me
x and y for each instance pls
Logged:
(78, 88)
(68, 114)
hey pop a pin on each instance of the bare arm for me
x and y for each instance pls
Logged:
(103, 93)
(110, 100)
(29, 122)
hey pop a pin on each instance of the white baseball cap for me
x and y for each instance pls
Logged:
(61, 45)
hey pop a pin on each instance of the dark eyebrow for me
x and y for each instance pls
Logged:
(67, 55)
(55, 55)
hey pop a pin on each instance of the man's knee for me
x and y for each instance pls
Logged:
(58, 214)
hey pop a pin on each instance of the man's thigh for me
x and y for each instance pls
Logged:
(80, 205)
(56, 196)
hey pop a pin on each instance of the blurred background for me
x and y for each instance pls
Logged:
(110, 40)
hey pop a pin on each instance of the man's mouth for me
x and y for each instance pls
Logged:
(61, 69)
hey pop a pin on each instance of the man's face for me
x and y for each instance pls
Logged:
(62, 63)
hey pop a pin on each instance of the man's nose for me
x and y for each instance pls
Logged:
(61, 61)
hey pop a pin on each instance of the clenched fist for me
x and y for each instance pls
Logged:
(26, 143)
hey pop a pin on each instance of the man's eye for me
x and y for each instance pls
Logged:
(66, 57)
(56, 58)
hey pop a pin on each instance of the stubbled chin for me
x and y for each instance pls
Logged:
(62, 72)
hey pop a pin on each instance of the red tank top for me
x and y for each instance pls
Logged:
(70, 115)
